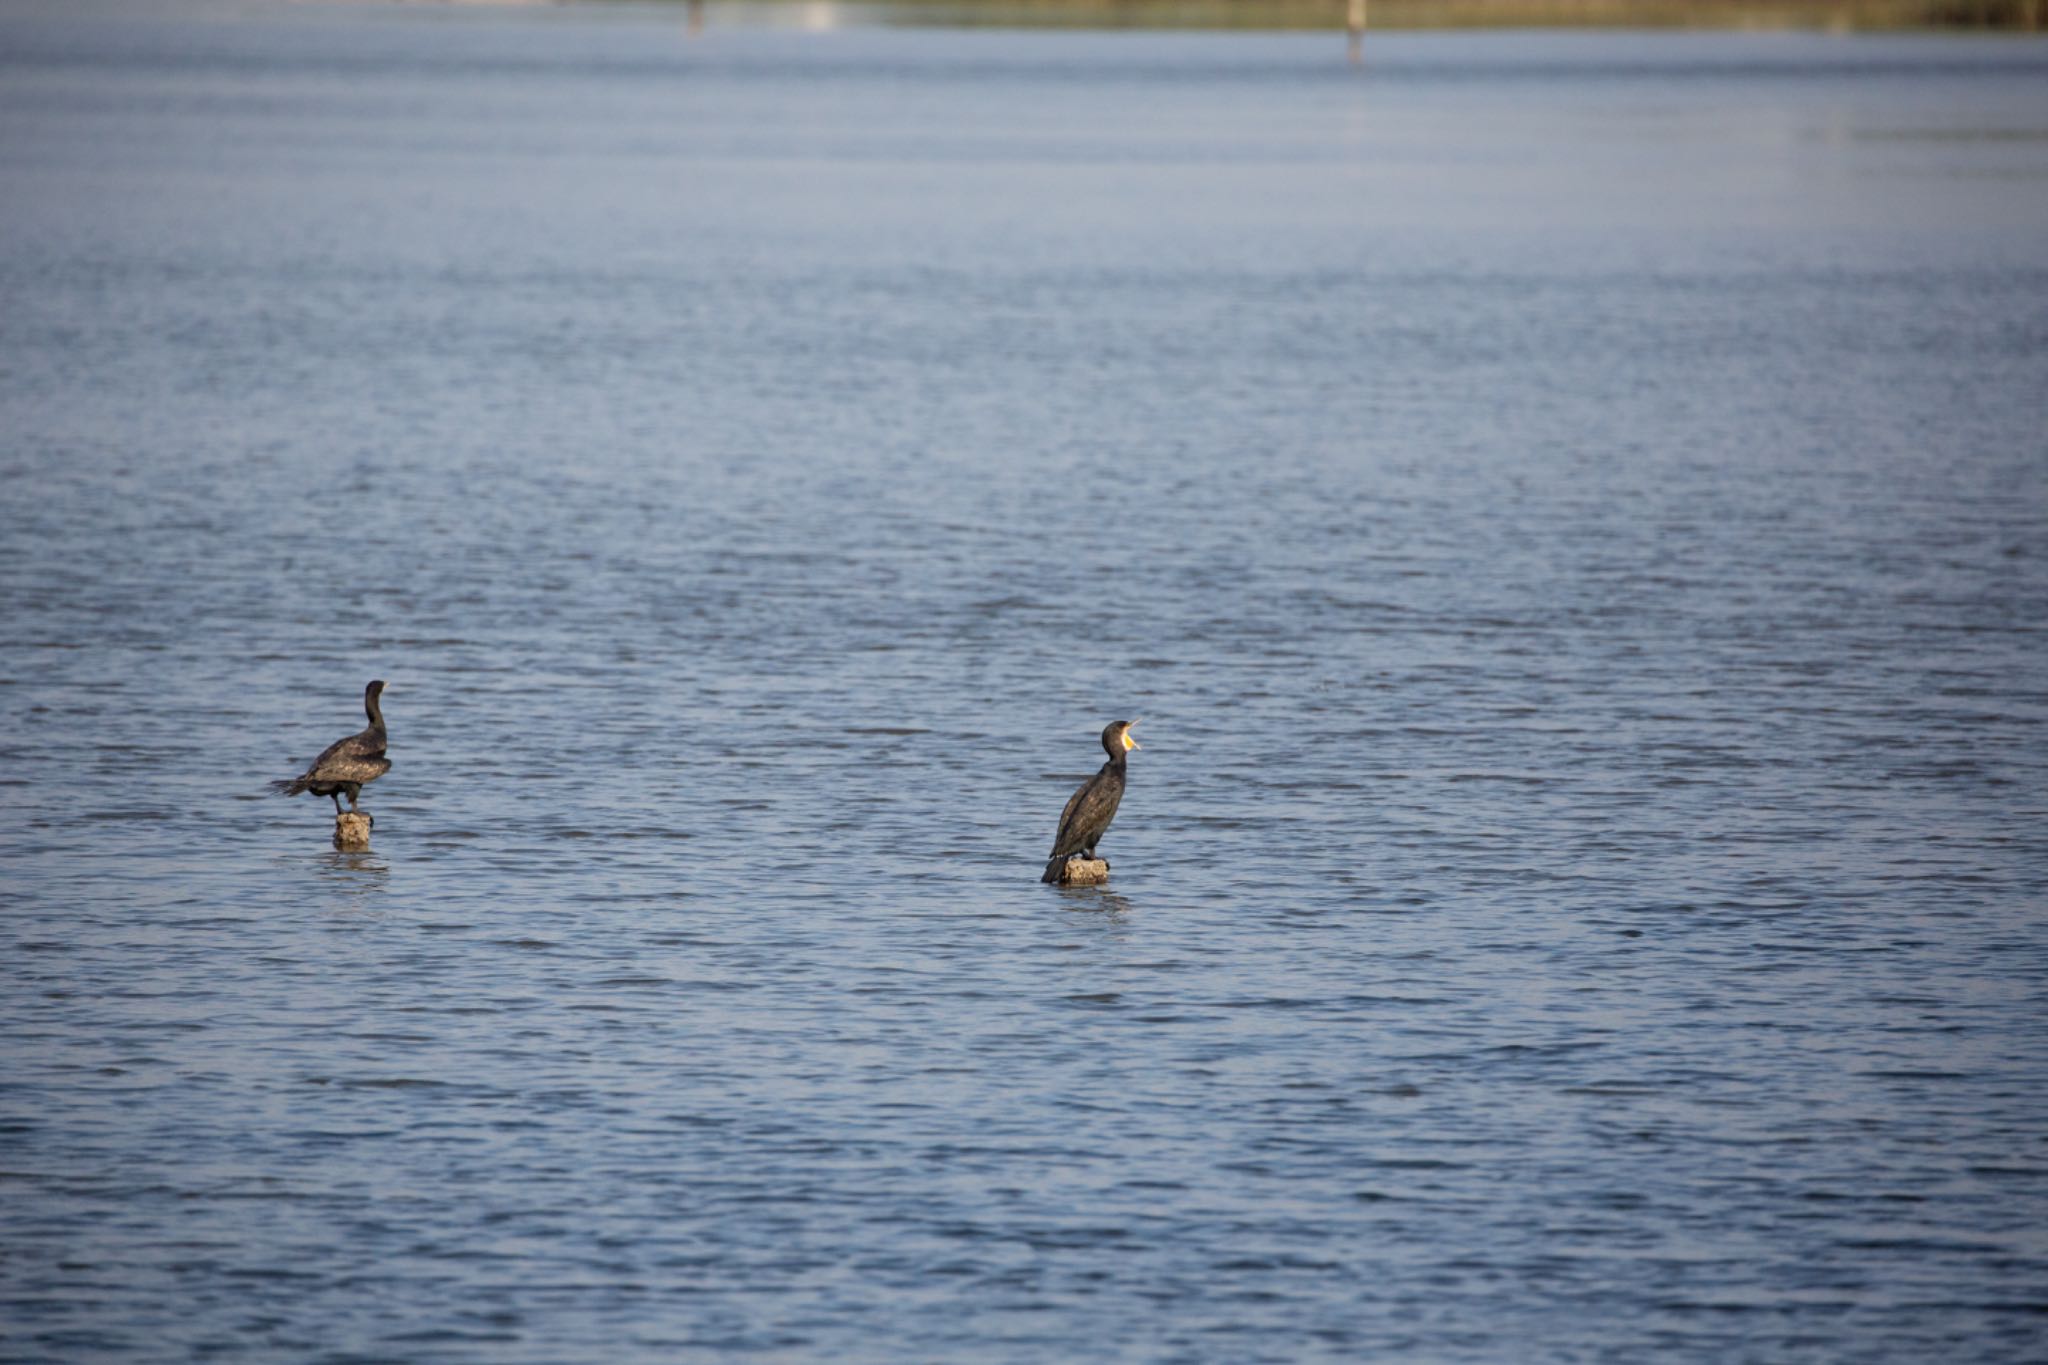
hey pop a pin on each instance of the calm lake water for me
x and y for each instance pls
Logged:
(1571, 512)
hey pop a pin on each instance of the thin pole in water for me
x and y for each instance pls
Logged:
(1355, 26)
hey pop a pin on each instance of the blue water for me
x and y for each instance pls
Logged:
(1570, 512)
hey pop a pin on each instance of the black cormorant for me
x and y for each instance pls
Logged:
(346, 764)
(1090, 809)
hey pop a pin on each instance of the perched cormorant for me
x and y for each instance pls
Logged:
(346, 764)
(1090, 809)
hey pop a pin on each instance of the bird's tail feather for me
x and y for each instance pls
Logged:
(288, 786)
(1055, 868)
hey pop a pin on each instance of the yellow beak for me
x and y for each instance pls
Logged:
(1130, 743)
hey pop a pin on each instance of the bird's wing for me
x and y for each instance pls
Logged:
(364, 747)
(1075, 816)
(1067, 814)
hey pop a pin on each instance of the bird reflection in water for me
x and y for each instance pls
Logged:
(355, 874)
(1096, 900)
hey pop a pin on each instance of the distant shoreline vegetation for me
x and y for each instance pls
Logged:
(1841, 15)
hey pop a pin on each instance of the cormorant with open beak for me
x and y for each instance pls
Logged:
(1090, 809)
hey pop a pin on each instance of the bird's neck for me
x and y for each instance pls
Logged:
(375, 712)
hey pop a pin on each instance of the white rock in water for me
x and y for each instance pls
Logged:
(1085, 872)
(352, 831)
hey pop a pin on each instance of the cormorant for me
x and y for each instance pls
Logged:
(346, 764)
(1090, 809)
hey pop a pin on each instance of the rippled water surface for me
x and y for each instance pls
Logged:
(1571, 513)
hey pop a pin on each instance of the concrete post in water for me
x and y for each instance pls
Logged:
(352, 831)
(1084, 872)
(1355, 26)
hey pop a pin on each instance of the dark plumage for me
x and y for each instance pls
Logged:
(346, 764)
(1090, 809)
